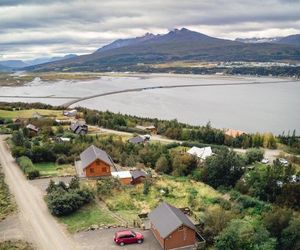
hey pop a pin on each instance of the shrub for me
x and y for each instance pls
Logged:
(253, 155)
(105, 186)
(27, 167)
(63, 201)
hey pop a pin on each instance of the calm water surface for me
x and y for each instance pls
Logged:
(270, 107)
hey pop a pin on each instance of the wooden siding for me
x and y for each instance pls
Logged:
(98, 168)
(160, 240)
(139, 180)
(125, 181)
(179, 238)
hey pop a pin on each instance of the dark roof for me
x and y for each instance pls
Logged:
(93, 153)
(78, 126)
(166, 219)
(137, 173)
(136, 140)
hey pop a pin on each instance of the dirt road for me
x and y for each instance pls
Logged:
(36, 221)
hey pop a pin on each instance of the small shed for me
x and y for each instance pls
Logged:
(79, 127)
(136, 140)
(70, 113)
(32, 128)
(138, 176)
(123, 176)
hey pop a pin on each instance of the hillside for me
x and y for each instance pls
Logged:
(177, 45)
(290, 40)
(3, 68)
(293, 40)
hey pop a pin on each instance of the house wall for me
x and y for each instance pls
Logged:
(97, 169)
(160, 240)
(180, 238)
(177, 239)
(125, 181)
(138, 180)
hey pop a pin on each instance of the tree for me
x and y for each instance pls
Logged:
(277, 220)
(74, 183)
(225, 168)
(290, 238)
(147, 185)
(18, 138)
(163, 165)
(215, 220)
(245, 234)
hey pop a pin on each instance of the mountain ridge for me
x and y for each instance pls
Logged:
(176, 45)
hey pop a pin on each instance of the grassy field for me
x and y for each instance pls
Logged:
(7, 79)
(28, 113)
(87, 216)
(52, 169)
(15, 245)
(131, 201)
(7, 204)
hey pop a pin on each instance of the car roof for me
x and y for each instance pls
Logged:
(124, 232)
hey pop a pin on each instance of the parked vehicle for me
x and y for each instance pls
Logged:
(128, 237)
(265, 161)
(283, 161)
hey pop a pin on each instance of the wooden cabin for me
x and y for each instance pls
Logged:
(172, 228)
(94, 163)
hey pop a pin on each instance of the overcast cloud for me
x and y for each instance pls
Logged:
(35, 28)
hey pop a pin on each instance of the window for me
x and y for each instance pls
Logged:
(92, 170)
(180, 228)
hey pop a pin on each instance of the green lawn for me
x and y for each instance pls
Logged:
(28, 113)
(129, 202)
(52, 169)
(87, 216)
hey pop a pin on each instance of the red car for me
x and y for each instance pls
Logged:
(128, 237)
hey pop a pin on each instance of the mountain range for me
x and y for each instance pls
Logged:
(18, 64)
(291, 40)
(176, 45)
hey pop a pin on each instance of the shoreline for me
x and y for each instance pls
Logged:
(15, 80)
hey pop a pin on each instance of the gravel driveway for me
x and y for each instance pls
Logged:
(103, 239)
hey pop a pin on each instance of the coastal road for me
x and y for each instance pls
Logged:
(116, 92)
(270, 154)
(36, 221)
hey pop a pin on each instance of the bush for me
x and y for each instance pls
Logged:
(27, 167)
(253, 155)
(32, 174)
(63, 201)
(105, 186)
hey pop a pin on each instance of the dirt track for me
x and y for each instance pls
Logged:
(36, 221)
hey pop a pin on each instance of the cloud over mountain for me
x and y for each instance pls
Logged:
(32, 28)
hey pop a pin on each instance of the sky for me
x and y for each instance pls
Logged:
(43, 28)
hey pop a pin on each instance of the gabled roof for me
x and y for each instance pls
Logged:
(202, 153)
(93, 153)
(166, 219)
(136, 140)
(137, 173)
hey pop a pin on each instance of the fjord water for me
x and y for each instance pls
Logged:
(270, 107)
